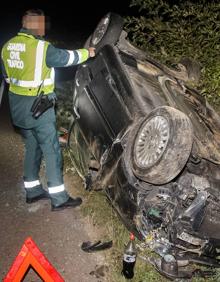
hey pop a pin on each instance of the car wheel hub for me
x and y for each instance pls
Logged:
(100, 30)
(151, 141)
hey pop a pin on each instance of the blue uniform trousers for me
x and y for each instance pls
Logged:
(42, 142)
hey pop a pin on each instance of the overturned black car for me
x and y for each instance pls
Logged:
(153, 144)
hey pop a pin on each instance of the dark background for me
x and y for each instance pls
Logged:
(68, 19)
(71, 22)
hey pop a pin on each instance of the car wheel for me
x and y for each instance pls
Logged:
(192, 67)
(161, 146)
(107, 31)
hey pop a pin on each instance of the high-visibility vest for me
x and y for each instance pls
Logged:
(24, 58)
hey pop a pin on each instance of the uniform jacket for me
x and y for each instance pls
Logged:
(20, 105)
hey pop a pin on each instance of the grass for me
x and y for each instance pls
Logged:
(106, 220)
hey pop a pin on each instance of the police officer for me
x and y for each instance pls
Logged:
(28, 67)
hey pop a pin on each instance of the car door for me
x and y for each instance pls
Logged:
(100, 100)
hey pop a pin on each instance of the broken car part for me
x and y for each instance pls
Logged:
(90, 247)
(155, 145)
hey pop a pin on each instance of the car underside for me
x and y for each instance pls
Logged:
(152, 144)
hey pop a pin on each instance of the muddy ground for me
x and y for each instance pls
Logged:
(58, 235)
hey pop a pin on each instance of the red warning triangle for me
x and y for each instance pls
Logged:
(30, 255)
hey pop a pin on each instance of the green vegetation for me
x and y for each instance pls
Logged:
(170, 30)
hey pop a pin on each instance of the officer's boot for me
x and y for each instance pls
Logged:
(62, 200)
(35, 194)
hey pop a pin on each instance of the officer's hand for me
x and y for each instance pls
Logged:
(91, 51)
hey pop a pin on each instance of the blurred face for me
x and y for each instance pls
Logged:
(35, 23)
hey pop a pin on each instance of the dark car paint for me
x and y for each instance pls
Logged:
(99, 122)
(113, 92)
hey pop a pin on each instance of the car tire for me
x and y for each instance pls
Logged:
(107, 31)
(192, 67)
(161, 145)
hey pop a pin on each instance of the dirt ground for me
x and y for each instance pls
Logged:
(58, 235)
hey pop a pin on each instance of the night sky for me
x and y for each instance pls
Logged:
(70, 26)
(65, 19)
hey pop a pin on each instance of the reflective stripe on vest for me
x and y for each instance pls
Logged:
(34, 83)
(37, 72)
(24, 58)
